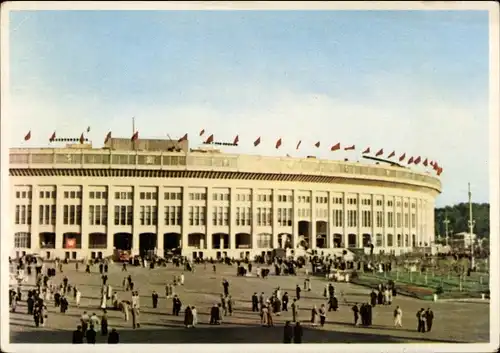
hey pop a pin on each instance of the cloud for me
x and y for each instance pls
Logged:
(390, 113)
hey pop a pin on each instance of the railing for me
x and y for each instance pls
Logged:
(64, 158)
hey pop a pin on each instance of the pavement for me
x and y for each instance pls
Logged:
(455, 322)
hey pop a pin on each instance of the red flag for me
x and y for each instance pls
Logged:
(53, 137)
(350, 148)
(108, 137)
(135, 136)
(392, 154)
(88, 129)
(278, 143)
(379, 153)
(236, 140)
(366, 151)
(432, 163)
(436, 166)
(210, 139)
(335, 147)
(417, 161)
(317, 144)
(202, 132)
(439, 171)
(82, 139)
(425, 162)
(402, 157)
(410, 161)
(27, 136)
(183, 138)
(256, 142)
(298, 145)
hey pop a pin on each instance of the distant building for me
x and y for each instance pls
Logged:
(462, 240)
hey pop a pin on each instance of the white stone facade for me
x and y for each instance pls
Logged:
(212, 205)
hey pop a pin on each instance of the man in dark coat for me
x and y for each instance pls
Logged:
(284, 301)
(255, 303)
(154, 296)
(297, 292)
(113, 337)
(78, 335)
(373, 298)
(429, 317)
(355, 310)
(287, 333)
(91, 335)
(297, 333)
(214, 315)
(421, 320)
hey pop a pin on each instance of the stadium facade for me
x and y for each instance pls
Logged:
(147, 195)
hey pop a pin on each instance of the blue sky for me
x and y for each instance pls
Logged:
(410, 81)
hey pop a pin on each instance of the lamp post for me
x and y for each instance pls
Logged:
(446, 223)
(471, 223)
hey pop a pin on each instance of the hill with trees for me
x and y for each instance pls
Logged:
(458, 215)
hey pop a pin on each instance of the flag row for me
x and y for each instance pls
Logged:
(416, 160)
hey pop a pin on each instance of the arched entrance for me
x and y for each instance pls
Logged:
(367, 240)
(220, 241)
(243, 241)
(72, 240)
(285, 241)
(122, 241)
(351, 240)
(98, 241)
(171, 241)
(337, 240)
(196, 240)
(304, 234)
(321, 234)
(147, 244)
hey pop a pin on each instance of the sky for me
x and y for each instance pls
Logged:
(413, 82)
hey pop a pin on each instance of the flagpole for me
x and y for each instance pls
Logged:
(133, 125)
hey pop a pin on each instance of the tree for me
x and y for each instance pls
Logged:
(458, 215)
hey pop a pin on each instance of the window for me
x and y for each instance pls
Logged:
(389, 240)
(406, 220)
(366, 218)
(398, 220)
(379, 240)
(380, 219)
(390, 219)
(22, 240)
(264, 241)
(337, 218)
(414, 220)
(389, 203)
(352, 218)
(91, 195)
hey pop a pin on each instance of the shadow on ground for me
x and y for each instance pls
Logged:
(219, 334)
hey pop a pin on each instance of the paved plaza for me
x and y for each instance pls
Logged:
(454, 322)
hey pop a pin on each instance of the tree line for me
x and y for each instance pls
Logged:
(458, 216)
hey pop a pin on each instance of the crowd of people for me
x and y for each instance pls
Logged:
(48, 291)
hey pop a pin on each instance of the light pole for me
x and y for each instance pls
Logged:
(446, 222)
(471, 223)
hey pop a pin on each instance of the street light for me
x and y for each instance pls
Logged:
(446, 223)
(471, 223)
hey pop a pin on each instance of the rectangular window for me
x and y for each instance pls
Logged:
(105, 215)
(413, 220)
(98, 214)
(398, 220)
(91, 215)
(54, 213)
(130, 215)
(117, 215)
(406, 220)
(65, 214)
(390, 219)
(72, 214)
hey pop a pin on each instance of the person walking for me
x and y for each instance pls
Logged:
(287, 333)
(398, 317)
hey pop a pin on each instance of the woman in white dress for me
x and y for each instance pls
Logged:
(195, 315)
(78, 297)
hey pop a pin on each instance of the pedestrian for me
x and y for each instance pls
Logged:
(398, 317)
(113, 337)
(91, 335)
(421, 320)
(297, 333)
(287, 333)
(194, 312)
(429, 317)
(78, 335)
(295, 310)
(355, 310)
(155, 299)
(104, 323)
(322, 315)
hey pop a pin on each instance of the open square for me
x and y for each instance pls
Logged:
(455, 322)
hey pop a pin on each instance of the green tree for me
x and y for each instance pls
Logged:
(458, 215)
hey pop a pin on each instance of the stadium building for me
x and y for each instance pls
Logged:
(158, 195)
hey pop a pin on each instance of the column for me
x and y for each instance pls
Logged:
(329, 233)
(373, 215)
(34, 232)
(232, 219)
(345, 233)
(358, 221)
(136, 220)
(295, 220)
(275, 205)
(160, 227)
(210, 221)
(312, 240)
(84, 228)
(59, 229)
(185, 219)
(110, 234)
(384, 222)
(254, 218)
